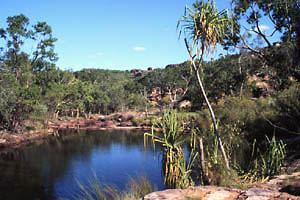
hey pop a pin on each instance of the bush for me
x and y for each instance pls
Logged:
(288, 107)
(248, 115)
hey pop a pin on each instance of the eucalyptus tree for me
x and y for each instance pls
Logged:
(25, 51)
(284, 15)
(278, 59)
(204, 27)
(15, 56)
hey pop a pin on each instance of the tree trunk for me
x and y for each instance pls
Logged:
(203, 166)
(77, 113)
(212, 114)
(56, 114)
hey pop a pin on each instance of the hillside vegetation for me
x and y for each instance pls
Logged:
(254, 93)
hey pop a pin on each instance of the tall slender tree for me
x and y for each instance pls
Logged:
(204, 27)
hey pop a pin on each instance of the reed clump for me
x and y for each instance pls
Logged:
(169, 133)
(137, 189)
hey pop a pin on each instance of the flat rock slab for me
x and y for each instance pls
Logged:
(175, 194)
(201, 192)
(219, 193)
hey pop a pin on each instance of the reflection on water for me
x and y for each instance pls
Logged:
(53, 168)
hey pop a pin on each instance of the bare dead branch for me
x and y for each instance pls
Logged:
(281, 128)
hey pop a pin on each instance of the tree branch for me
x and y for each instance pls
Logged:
(258, 28)
(281, 128)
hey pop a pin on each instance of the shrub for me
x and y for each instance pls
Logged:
(288, 107)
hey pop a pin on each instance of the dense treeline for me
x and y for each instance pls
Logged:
(33, 87)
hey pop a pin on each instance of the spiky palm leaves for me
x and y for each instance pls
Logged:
(169, 133)
(204, 26)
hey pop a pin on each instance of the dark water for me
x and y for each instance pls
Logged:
(53, 169)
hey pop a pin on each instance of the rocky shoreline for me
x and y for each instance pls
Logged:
(220, 193)
(111, 122)
(283, 187)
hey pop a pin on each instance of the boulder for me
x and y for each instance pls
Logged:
(185, 104)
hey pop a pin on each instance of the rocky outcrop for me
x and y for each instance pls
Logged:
(220, 193)
(284, 187)
(289, 183)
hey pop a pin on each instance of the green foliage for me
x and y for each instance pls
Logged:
(101, 75)
(212, 169)
(7, 104)
(148, 121)
(266, 163)
(284, 14)
(176, 171)
(40, 115)
(236, 109)
(23, 66)
(221, 80)
(255, 118)
(280, 62)
(204, 25)
(173, 82)
(189, 117)
(247, 115)
(136, 189)
(288, 106)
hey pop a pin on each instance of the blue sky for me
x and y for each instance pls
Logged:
(109, 34)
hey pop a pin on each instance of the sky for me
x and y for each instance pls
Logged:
(107, 34)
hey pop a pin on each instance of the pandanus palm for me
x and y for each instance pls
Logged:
(168, 132)
(204, 27)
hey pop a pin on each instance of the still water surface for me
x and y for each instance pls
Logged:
(53, 169)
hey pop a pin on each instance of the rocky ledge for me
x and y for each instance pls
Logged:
(274, 189)
(99, 122)
(220, 193)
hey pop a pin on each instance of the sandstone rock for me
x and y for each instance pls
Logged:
(289, 183)
(123, 124)
(109, 124)
(222, 195)
(257, 198)
(185, 104)
(219, 193)
(2, 141)
(166, 194)
(201, 192)
(261, 192)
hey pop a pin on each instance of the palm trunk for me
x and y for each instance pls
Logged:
(212, 114)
